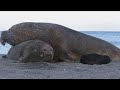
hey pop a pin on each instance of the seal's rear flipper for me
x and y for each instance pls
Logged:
(95, 59)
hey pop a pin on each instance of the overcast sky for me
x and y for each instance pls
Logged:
(77, 20)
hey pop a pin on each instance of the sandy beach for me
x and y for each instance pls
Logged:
(62, 70)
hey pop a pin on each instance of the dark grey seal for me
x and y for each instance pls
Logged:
(31, 51)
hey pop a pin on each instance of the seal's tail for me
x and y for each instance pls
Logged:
(115, 54)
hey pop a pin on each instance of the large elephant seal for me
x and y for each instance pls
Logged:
(94, 58)
(68, 44)
(31, 51)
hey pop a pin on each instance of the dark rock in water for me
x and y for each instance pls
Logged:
(95, 59)
(31, 51)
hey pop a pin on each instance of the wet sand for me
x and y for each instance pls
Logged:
(62, 70)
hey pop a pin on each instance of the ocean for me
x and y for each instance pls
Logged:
(112, 37)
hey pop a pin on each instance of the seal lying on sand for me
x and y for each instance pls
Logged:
(68, 44)
(95, 59)
(31, 51)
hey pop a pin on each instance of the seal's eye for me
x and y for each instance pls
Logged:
(44, 49)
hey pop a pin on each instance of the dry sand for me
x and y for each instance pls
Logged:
(61, 70)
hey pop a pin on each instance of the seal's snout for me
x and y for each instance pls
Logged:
(2, 41)
(50, 52)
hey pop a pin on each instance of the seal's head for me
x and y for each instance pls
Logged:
(43, 51)
(7, 37)
(47, 50)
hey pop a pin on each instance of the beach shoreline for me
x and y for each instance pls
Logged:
(61, 70)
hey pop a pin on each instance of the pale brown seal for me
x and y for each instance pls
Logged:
(68, 44)
(31, 51)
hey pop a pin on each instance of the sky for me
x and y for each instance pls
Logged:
(77, 20)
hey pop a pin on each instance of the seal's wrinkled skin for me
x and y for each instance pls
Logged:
(31, 51)
(68, 44)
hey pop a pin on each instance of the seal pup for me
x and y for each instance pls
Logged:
(95, 59)
(68, 44)
(31, 51)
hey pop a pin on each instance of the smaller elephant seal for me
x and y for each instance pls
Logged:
(95, 59)
(31, 51)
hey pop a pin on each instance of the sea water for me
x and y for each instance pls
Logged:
(112, 37)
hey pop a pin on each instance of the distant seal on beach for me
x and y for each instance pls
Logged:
(31, 51)
(68, 44)
(95, 59)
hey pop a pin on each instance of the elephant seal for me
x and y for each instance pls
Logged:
(31, 51)
(95, 59)
(68, 44)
